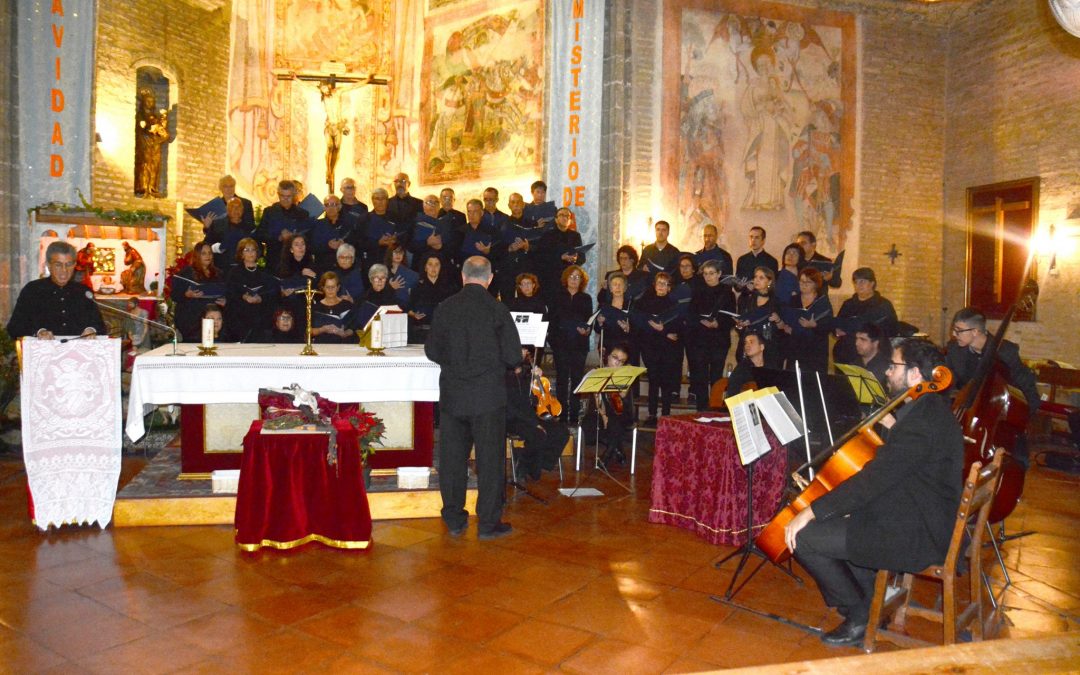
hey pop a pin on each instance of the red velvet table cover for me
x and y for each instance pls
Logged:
(289, 496)
(699, 484)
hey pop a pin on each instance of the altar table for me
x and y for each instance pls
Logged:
(341, 373)
(700, 485)
(289, 495)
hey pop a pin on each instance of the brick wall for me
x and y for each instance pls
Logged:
(1013, 109)
(191, 46)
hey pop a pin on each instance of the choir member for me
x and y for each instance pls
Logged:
(380, 232)
(867, 305)
(330, 313)
(251, 292)
(379, 291)
(710, 250)
(759, 312)
(807, 324)
(515, 249)
(433, 234)
(295, 271)
(708, 332)
(637, 280)
(756, 257)
(331, 231)
(570, 337)
(436, 284)
(225, 233)
(349, 203)
(215, 314)
(402, 208)
(556, 252)
(527, 296)
(193, 287)
(656, 322)
(494, 219)
(661, 255)
(807, 240)
(285, 329)
(787, 279)
(447, 210)
(613, 323)
(282, 220)
(478, 238)
(402, 279)
(350, 274)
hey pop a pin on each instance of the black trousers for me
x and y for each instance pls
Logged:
(821, 548)
(544, 443)
(706, 363)
(664, 363)
(569, 369)
(457, 435)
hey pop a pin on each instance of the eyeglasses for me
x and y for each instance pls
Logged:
(960, 331)
(346, 257)
(893, 364)
(249, 249)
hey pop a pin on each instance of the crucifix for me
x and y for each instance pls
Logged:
(328, 79)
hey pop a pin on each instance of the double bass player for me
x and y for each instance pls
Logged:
(897, 512)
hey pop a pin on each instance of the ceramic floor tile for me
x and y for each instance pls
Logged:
(470, 622)
(411, 649)
(543, 642)
(349, 625)
(613, 656)
(156, 653)
(225, 629)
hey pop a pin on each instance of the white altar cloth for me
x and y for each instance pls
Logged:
(70, 399)
(342, 373)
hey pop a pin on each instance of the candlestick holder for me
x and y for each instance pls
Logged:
(308, 294)
(208, 351)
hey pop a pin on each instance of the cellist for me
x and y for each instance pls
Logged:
(545, 437)
(970, 338)
(897, 512)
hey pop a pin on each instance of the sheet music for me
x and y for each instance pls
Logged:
(532, 329)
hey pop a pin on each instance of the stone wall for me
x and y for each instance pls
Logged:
(10, 222)
(190, 45)
(1013, 110)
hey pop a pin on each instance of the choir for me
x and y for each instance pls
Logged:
(660, 305)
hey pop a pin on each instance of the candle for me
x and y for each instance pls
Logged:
(376, 332)
(207, 333)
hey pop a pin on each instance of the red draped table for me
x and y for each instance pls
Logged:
(699, 484)
(289, 495)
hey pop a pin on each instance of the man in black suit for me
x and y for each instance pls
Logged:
(474, 341)
(756, 257)
(897, 512)
(55, 305)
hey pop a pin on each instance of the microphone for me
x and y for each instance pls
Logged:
(175, 335)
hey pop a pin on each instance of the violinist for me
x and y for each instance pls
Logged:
(753, 357)
(531, 414)
(970, 339)
(616, 411)
(897, 512)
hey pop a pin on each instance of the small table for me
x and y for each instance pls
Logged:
(289, 496)
(700, 485)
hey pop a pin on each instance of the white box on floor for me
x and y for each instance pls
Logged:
(224, 481)
(413, 477)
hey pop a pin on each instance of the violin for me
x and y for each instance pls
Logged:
(845, 459)
(547, 405)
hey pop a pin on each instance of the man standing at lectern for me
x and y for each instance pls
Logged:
(53, 305)
(474, 341)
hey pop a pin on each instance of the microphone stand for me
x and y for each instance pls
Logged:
(130, 315)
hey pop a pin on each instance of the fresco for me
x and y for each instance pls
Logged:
(482, 97)
(759, 122)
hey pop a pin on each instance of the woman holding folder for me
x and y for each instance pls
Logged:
(806, 321)
(195, 286)
(656, 322)
(570, 338)
(251, 293)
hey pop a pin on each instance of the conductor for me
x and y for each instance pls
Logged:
(474, 341)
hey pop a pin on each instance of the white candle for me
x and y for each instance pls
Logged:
(207, 333)
(376, 333)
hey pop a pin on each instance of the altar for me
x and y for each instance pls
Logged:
(219, 394)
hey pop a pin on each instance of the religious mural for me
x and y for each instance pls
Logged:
(759, 122)
(482, 93)
(276, 122)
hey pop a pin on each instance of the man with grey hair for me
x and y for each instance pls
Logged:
(379, 231)
(474, 341)
(53, 305)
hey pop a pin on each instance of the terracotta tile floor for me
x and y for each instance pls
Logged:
(583, 585)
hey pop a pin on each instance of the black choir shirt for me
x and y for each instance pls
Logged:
(654, 259)
(62, 310)
(749, 261)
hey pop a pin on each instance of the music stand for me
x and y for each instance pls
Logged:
(867, 388)
(750, 546)
(606, 381)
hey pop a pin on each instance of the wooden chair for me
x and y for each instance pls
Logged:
(966, 544)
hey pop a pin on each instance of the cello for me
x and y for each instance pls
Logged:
(992, 416)
(842, 461)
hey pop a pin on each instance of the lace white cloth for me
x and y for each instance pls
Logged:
(71, 426)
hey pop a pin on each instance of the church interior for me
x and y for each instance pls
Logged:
(935, 142)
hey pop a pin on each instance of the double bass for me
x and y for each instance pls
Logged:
(992, 416)
(842, 461)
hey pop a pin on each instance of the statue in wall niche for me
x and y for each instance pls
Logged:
(151, 133)
(133, 279)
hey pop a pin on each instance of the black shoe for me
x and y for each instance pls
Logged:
(650, 421)
(501, 530)
(848, 634)
(456, 531)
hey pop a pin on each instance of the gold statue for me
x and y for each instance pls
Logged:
(151, 132)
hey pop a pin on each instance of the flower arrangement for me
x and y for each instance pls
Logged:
(370, 429)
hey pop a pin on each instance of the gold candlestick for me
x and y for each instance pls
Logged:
(308, 294)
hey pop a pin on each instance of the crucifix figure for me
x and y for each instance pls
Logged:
(336, 126)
